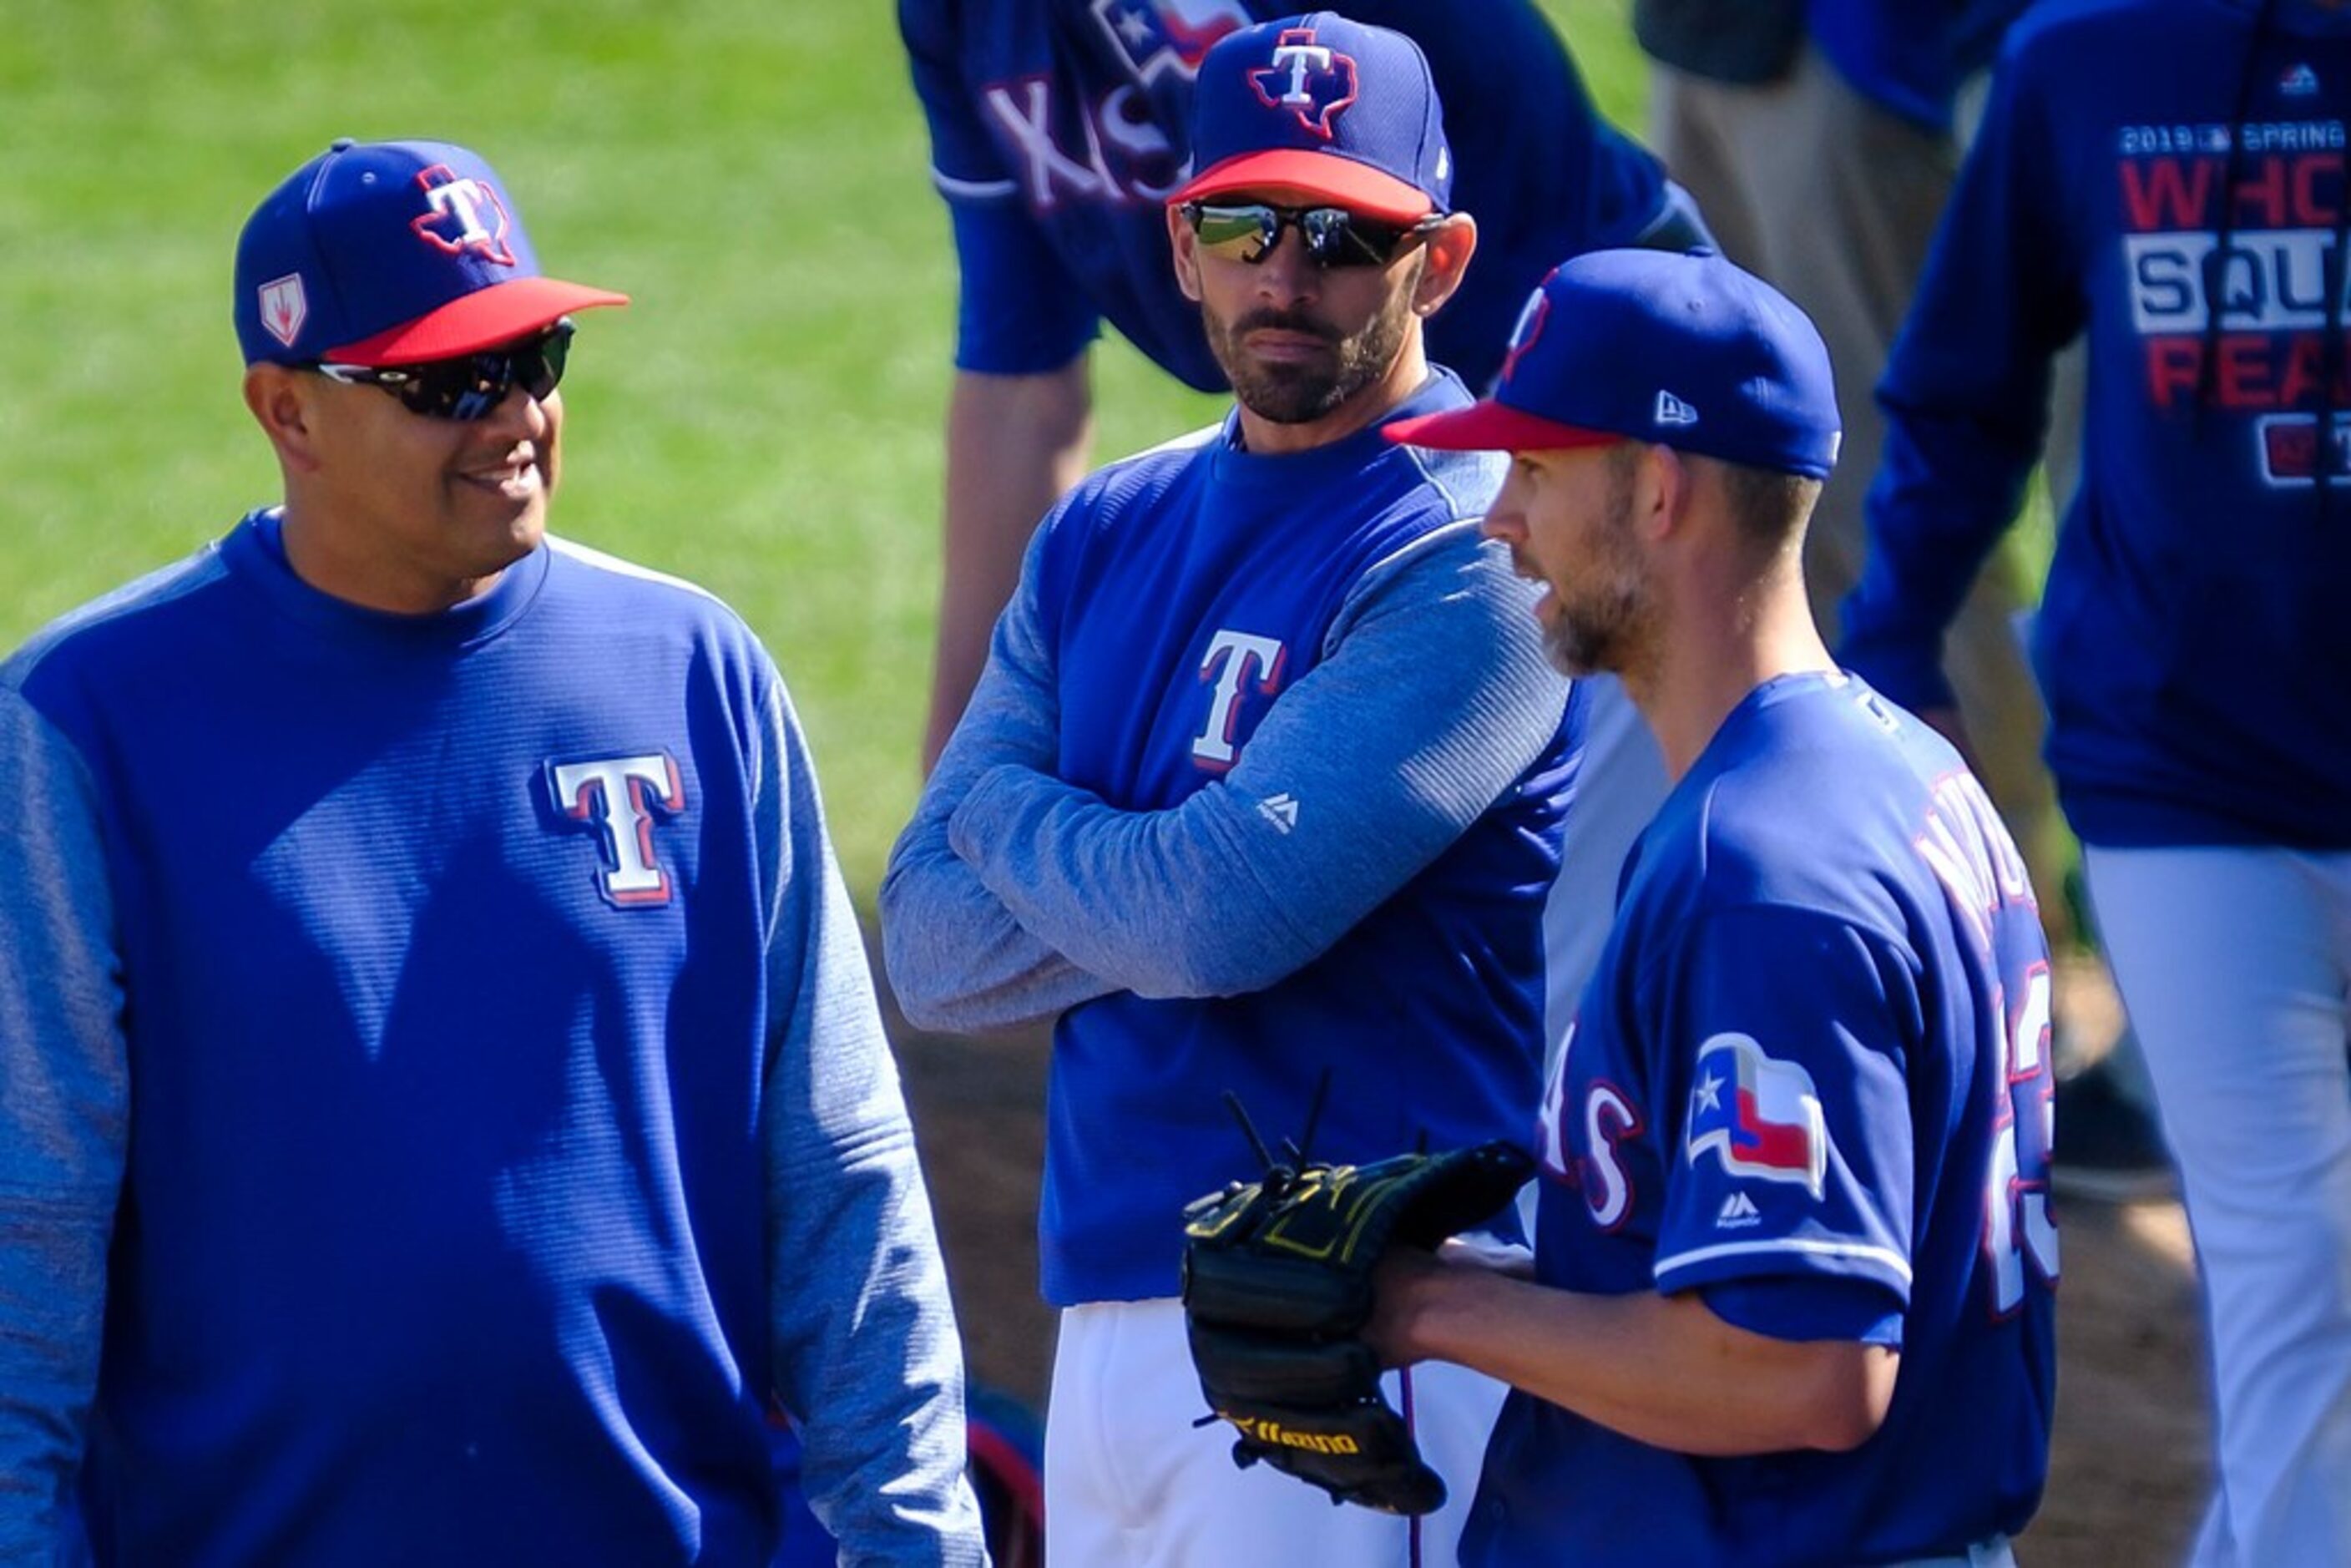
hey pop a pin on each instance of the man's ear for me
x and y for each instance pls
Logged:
(282, 401)
(1450, 245)
(1664, 487)
(1185, 246)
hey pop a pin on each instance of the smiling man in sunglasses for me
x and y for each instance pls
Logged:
(442, 1098)
(1233, 791)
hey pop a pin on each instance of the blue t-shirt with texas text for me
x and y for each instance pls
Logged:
(1810, 1081)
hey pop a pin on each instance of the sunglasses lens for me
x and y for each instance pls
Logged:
(540, 368)
(472, 385)
(1333, 236)
(1236, 234)
(1347, 240)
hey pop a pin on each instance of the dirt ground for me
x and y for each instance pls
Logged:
(2132, 1442)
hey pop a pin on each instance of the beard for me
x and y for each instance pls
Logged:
(1601, 619)
(1300, 394)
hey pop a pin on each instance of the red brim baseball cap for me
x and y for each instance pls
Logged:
(393, 253)
(1321, 109)
(1490, 426)
(472, 322)
(1298, 174)
(1677, 350)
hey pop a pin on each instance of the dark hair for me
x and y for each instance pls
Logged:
(1769, 507)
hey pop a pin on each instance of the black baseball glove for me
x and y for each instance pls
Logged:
(1278, 1288)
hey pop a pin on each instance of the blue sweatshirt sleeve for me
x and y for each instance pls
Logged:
(64, 1121)
(956, 957)
(865, 1344)
(1966, 394)
(1382, 754)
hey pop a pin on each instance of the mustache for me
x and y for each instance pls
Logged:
(1285, 322)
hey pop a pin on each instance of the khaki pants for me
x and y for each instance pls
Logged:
(1835, 200)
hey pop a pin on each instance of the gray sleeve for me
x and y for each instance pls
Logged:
(1431, 696)
(865, 1349)
(957, 958)
(64, 1120)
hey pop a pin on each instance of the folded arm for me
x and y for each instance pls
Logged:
(1432, 697)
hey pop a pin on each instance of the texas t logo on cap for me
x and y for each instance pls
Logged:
(1310, 81)
(467, 215)
(1320, 108)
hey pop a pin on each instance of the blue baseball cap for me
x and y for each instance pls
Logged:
(1324, 109)
(1685, 350)
(391, 253)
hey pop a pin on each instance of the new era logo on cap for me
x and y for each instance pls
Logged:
(1672, 409)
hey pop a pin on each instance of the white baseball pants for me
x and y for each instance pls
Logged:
(2235, 964)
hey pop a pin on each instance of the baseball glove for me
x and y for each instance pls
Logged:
(1278, 1288)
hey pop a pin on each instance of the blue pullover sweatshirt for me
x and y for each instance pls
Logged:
(442, 1097)
(1266, 776)
(2166, 177)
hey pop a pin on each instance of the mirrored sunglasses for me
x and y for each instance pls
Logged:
(470, 386)
(1333, 236)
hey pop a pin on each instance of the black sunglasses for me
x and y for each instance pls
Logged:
(1249, 231)
(469, 386)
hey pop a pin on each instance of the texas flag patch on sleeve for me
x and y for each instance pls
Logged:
(1761, 1116)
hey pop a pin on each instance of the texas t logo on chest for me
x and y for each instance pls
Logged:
(1236, 664)
(619, 795)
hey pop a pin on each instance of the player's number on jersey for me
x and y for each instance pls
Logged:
(2017, 1225)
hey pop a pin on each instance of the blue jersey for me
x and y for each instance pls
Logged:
(460, 1030)
(1811, 1082)
(1059, 127)
(1184, 777)
(2192, 638)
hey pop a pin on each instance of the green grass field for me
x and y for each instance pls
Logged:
(764, 420)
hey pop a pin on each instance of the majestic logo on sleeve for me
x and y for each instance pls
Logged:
(467, 215)
(1237, 663)
(618, 797)
(1312, 82)
(1154, 37)
(1761, 1116)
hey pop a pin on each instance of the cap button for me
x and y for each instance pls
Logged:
(342, 145)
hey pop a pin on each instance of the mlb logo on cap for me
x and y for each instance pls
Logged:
(1682, 350)
(391, 253)
(1332, 109)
